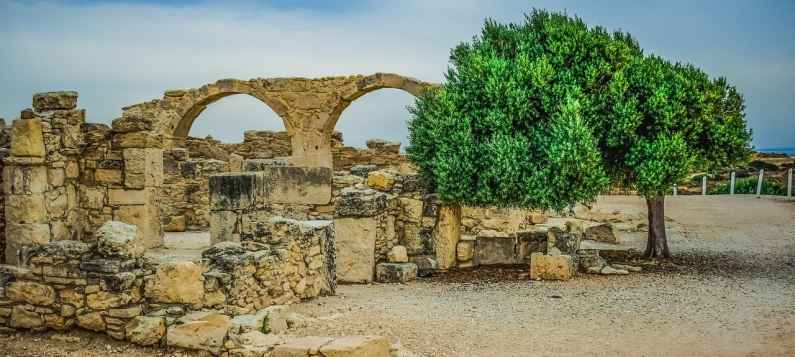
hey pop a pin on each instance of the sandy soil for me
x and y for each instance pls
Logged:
(729, 292)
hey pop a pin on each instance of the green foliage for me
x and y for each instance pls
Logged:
(512, 125)
(546, 113)
(748, 186)
(265, 328)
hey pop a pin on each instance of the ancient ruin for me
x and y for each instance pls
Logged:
(289, 215)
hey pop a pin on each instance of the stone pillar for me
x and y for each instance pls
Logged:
(25, 183)
(446, 235)
(358, 214)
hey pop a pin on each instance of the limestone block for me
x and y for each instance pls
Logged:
(446, 235)
(25, 208)
(92, 197)
(235, 163)
(31, 293)
(24, 180)
(177, 283)
(56, 203)
(560, 242)
(531, 241)
(175, 224)
(590, 261)
(381, 180)
(103, 300)
(108, 176)
(272, 319)
(119, 197)
(398, 254)
(497, 250)
(27, 234)
(354, 202)
(90, 320)
(27, 139)
(355, 247)
(139, 139)
(25, 317)
(412, 239)
(120, 240)
(300, 347)
(143, 167)
(550, 267)
(601, 232)
(223, 227)
(145, 217)
(145, 330)
(465, 251)
(205, 334)
(233, 191)
(395, 272)
(63, 100)
(411, 209)
(357, 346)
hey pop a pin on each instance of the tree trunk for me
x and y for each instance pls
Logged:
(657, 245)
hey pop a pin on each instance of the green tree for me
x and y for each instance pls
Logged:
(510, 126)
(668, 121)
(545, 113)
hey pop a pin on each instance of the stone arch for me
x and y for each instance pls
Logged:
(372, 83)
(199, 99)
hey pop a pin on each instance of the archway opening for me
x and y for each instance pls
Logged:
(374, 130)
(222, 136)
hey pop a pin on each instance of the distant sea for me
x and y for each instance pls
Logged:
(788, 151)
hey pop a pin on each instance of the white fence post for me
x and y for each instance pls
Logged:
(759, 182)
(704, 185)
(731, 185)
(789, 183)
(675, 190)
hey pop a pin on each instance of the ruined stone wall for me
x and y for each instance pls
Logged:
(5, 145)
(185, 191)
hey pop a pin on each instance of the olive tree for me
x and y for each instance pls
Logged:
(510, 125)
(666, 122)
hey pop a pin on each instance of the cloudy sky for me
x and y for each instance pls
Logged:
(124, 52)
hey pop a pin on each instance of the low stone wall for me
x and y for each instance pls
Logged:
(185, 191)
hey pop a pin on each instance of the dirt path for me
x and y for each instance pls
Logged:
(731, 292)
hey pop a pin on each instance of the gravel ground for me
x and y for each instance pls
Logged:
(730, 291)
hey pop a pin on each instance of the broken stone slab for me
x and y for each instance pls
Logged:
(119, 240)
(630, 268)
(271, 319)
(608, 270)
(206, 333)
(27, 139)
(395, 272)
(108, 266)
(63, 100)
(355, 248)
(590, 261)
(145, 330)
(551, 267)
(301, 346)
(601, 232)
(497, 250)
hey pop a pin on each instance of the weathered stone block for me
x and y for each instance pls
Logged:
(560, 242)
(363, 170)
(381, 180)
(426, 265)
(206, 333)
(22, 317)
(120, 240)
(357, 346)
(178, 283)
(446, 235)
(355, 246)
(465, 251)
(145, 217)
(25, 208)
(146, 330)
(26, 138)
(64, 100)
(601, 232)
(175, 224)
(300, 347)
(31, 293)
(551, 267)
(24, 180)
(360, 203)
(395, 272)
(224, 227)
(233, 191)
(398, 254)
(412, 239)
(497, 250)
(90, 320)
(411, 209)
